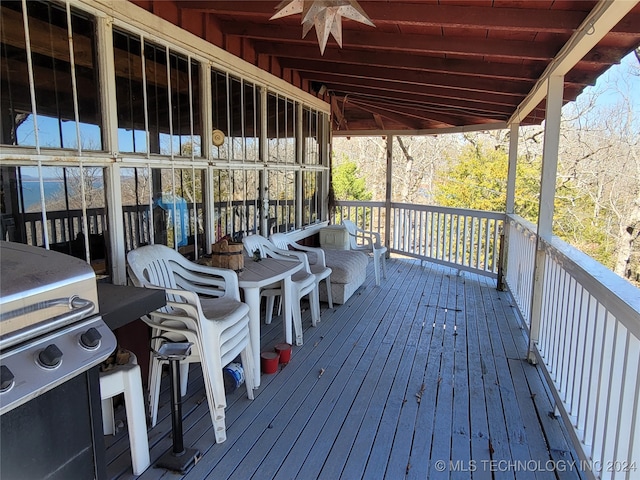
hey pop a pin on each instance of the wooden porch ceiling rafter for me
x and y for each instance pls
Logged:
(472, 46)
(427, 64)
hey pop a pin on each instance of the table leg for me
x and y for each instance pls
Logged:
(286, 314)
(252, 299)
(287, 292)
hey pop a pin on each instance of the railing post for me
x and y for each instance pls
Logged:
(387, 216)
(547, 196)
(500, 283)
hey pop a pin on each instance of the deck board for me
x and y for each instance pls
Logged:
(372, 394)
(429, 366)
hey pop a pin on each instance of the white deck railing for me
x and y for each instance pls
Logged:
(589, 330)
(520, 258)
(461, 238)
(589, 343)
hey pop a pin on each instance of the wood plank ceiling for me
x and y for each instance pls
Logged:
(426, 64)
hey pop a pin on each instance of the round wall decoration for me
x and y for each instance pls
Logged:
(217, 137)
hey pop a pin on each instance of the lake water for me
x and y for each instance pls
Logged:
(31, 191)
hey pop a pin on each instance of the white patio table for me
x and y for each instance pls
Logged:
(257, 275)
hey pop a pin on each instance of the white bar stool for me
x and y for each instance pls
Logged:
(127, 379)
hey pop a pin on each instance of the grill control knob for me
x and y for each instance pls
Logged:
(90, 339)
(50, 357)
(6, 378)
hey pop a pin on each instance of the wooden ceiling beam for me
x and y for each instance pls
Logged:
(379, 121)
(393, 111)
(475, 68)
(379, 117)
(376, 40)
(411, 89)
(402, 115)
(422, 15)
(470, 109)
(336, 110)
(410, 76)
(424, 102)
(389, 110)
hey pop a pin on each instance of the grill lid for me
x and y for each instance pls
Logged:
(41, 290)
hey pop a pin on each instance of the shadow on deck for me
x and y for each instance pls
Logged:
(422, 377)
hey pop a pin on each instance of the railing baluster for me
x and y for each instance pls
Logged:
(587, 372)
(568, 348)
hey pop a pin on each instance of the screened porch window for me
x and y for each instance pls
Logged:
(235, 112)
(311, 197)
(63, 79)
(236, 203)
(178, 209)
(60, 189)
(282, 200)
(168, 122)
(281, 129)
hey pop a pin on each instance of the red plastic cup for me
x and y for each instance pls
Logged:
(284, 352)
(269, 362)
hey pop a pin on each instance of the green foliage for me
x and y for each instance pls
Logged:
(478, 180)
(347, 185)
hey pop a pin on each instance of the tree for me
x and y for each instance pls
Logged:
(478, 180)
(347, 184)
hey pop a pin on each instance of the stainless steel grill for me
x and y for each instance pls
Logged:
(50, 334)
(49, 330)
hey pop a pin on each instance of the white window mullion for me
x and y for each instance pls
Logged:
(74, 89)
(108, 98)
(145, 97)
(193, 167)
(34, 113)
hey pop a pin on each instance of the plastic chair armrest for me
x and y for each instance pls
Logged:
(320, 256)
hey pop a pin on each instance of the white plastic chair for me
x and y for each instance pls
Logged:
(203, 307)
(127, 379)
(303, 281)
(317, 261)
(367, 241)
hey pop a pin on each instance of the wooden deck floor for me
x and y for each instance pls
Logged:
(423, 377)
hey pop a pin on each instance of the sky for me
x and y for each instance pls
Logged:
(619, 80)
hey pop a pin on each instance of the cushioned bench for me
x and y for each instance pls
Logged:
(349, 267)
(349, 270)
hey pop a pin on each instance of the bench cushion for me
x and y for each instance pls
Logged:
(346, 265)
(349, 271)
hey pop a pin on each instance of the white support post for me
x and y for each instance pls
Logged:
(325, 160)
(205, 110)
(547, 197)
(209, 195)
(513, 162)
(113, 192)
(300, 151)
(550, 156)
(113, 188)
(510, 205)
(206, 144)
(387, 217)
(264, 152)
